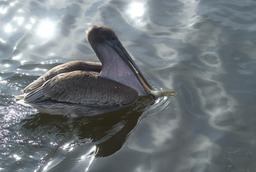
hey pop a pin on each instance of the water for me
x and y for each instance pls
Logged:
(204, 50)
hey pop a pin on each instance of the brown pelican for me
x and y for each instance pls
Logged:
(89, 87)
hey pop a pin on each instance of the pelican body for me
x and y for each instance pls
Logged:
(81, 88)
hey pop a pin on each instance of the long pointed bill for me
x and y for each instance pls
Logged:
(118, 47)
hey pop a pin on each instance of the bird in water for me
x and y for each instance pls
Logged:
(87, 88)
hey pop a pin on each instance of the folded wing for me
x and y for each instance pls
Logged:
(84, 88)
(63, 68)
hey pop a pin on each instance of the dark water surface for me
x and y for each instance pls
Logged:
(203, 49)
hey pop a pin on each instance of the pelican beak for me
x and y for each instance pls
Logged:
(118, 47)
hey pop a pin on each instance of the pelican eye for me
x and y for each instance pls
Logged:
(113, 38)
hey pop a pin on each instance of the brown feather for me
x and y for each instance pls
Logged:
(63, 68)
(85, 88)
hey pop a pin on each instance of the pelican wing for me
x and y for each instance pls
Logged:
(85, 88)
(63, 68)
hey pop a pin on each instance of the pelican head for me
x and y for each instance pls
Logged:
(117, 64)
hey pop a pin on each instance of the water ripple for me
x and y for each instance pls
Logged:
(204, 50)
(233, 13)
(161, 120)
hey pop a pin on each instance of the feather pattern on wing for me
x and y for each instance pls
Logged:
(63, 68)
(85, 88)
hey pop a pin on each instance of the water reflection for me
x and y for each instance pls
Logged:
(136, 11)
(30, 24)
(90, 155)
(16, 157)
(3, 10)
(19, 20)
(159, 128)
(45, 29)
(8, 28)
(100, 135)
